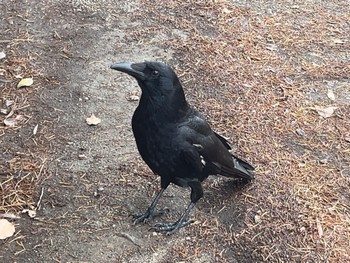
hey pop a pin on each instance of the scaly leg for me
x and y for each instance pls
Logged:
(151, 212)
(171, 228)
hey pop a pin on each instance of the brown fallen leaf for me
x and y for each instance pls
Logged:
(7, 229)
(325, 112)
(93, 120)
(26, 82)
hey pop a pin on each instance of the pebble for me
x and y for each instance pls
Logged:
(300, 132)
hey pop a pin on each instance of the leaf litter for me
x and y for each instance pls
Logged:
(306, 217)
(256, 93)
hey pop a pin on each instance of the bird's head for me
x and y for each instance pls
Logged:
(157, 80)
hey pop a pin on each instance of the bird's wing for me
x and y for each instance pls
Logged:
(242, 162)
(223, 140)
(192, 157)
(209, 151)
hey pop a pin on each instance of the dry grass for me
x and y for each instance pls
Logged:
(251, 74)
(20, 167)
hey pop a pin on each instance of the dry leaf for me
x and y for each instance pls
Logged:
(330, 94)
(325, 112)
(11, 122)
(93, 120)
(25, 82)
(7, 229)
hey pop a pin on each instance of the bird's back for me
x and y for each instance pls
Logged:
(182, 148)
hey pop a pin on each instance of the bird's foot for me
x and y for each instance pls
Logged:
(149, 215)
(171, 228)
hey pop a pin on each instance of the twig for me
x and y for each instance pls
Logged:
(128, 237)
(40, 198)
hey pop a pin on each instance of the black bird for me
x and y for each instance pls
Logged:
(175, 140)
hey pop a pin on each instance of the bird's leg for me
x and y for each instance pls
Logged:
(171, 228)
(151, 212)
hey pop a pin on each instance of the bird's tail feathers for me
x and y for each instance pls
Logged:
(240, 169)
(243, 163)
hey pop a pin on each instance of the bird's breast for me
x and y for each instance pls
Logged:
(154, 142)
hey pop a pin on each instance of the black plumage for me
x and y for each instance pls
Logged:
(175, 140)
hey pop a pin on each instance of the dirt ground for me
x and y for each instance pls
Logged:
(257, 69)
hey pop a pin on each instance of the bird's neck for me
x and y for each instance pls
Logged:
(167, 108)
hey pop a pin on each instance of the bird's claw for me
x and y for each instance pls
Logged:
(149, 215)
(170, 228)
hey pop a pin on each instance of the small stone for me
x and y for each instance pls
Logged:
(324, 161)
(2, 55)
(82, 156)
(257, 219)
(288, 81)
(133, 98)
(8, 103)
(4, 111)
(300, 132)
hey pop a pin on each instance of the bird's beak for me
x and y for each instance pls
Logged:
(133, 69)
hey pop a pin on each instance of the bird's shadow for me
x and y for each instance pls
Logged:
(223, 199)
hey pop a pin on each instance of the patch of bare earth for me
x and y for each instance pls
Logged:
(257, 69)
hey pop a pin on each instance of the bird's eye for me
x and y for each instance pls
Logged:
(155, 73)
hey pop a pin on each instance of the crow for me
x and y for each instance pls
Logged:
(175, 140)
